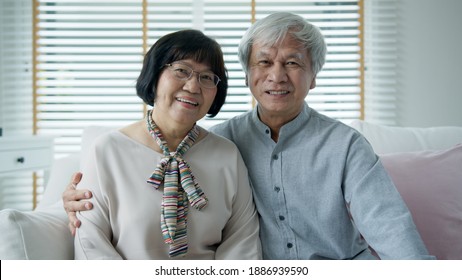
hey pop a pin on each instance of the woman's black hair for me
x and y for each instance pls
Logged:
(180, 45)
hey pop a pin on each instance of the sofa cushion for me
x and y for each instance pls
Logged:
(60, 175)
(430, 183)
(389, 139)
(35, 235)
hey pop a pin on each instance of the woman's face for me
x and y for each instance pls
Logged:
(183, 101)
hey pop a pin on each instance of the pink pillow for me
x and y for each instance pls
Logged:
(430, 183)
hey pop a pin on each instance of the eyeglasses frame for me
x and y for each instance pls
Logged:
(192, 72)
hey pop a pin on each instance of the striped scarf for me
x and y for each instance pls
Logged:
(177, 191)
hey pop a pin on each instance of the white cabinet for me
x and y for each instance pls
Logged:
(25, 153)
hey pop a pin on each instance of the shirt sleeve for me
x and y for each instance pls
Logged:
(241, 234)
(377, 208)
(93, 237)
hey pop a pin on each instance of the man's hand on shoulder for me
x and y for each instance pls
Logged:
(74, 200)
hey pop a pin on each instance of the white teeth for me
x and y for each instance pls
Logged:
(187, 101)
(277, 92)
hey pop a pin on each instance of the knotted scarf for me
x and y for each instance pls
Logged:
(178, 190)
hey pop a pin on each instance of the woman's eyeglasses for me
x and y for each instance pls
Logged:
(183, 72)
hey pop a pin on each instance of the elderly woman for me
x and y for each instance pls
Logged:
(163, 187)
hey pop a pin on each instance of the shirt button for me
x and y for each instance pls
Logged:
(282, 218)
(290, 245)
(275, 157)
(267, 131)
(277, 189)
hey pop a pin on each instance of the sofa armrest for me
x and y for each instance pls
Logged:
(41, 234)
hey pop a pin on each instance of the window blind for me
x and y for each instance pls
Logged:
(381, 61)
(227, 23)
(16, 67)
(89, 55)
(16, 93)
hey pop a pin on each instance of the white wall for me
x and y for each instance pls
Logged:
(430, 80)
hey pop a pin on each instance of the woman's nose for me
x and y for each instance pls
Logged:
(192, 84)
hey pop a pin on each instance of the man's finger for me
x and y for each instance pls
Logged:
(74, 206)
(75, 179)
(73, 219)
(71, 228)
(74, 195)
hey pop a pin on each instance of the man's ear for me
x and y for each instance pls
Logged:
(313, 83)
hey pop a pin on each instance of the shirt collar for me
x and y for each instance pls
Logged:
(288, 128)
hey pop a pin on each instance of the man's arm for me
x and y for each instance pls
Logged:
(72, 201)
(377, 208)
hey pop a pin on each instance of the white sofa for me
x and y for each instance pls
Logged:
(424, 163)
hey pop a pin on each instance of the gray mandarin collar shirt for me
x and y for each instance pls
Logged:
(304, 184)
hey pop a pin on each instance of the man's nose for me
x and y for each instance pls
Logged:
(277, 73)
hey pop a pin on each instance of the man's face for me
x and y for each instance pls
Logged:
(279, 78)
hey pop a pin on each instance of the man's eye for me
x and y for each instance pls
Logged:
(263, 62)
(292, 63)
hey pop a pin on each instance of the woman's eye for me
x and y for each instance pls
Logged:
(207, 77)
(181, 70)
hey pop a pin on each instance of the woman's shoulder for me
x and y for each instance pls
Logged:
(108, 140)
(118, 136)
(134, 134)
